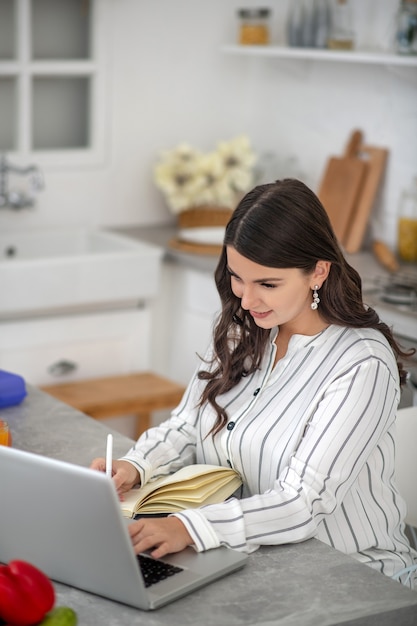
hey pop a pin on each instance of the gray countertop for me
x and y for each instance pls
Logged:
(160, 235)
(402, 318)
(304, 584)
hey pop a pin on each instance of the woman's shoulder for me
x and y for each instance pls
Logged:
(369, 341)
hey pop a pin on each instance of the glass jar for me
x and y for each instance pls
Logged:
(254, 27)
(407, 224)
(406, 40)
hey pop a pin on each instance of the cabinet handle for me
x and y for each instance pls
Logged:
(60, 368)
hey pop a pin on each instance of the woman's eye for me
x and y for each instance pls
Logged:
(268, 285)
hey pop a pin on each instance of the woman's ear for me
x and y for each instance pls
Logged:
(321, 272)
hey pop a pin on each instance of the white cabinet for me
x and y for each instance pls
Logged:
(62, 349)
(191, 304)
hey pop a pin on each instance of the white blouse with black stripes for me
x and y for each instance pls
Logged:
(313, 439)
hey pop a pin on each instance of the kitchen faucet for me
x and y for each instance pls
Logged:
(18, 199)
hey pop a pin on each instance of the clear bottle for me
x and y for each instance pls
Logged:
(295, 23)
(321, 23)
(407, 224)
(307, 34)
(341, 35)
(406, 40)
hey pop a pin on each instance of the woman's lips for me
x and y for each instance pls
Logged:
(259, 316)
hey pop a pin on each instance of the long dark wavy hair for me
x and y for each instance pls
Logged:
(281, 225)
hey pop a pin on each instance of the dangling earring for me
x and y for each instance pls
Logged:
(315, 304)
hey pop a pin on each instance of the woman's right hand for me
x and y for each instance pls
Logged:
(125, 475)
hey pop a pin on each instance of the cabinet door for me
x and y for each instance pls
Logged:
(194, 304)
(189, 344)
(63, 349)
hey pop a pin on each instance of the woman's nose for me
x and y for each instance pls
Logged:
(247, 298)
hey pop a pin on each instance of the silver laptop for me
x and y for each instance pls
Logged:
(66, 520)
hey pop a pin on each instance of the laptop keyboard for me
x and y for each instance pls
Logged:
(154, 571)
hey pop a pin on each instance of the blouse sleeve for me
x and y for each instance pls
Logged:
(351, 417)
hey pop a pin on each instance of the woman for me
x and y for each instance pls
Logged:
(298, 393)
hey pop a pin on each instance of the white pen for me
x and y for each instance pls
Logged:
(109, 455)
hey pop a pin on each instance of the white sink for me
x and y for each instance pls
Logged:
(51, 271)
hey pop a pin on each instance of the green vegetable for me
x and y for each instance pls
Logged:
(60, 616)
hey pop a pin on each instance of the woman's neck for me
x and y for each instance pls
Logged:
(285, 333)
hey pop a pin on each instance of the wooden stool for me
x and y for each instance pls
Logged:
(137, 394)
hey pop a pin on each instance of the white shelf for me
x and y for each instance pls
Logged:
(315, 54)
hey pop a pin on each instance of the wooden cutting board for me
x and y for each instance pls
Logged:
(342, 184)
(195, 248)
(377, 160)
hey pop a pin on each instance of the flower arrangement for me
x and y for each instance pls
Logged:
(189, 178)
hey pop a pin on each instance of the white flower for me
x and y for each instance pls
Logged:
(238, 160)
(189, 178)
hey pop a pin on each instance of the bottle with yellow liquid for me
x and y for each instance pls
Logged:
(407, 224)
(341, 35)
(5, 434)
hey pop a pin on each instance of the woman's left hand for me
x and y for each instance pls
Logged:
(160, 535)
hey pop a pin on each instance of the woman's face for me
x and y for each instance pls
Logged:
(275, 296)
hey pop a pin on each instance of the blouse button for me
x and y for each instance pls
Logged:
(255, 393)
(230, 425)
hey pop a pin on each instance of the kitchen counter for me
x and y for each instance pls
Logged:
(160, 236)
(304, 584)
(372, 273)
(364, 261)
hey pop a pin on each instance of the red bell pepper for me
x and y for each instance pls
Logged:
(26, 594)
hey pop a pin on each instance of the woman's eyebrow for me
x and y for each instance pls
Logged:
(258, 280)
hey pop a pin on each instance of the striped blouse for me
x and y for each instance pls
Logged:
(313, 440)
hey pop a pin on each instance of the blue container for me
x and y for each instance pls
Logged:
(12, 389)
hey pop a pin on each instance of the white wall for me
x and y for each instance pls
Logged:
(169, 82)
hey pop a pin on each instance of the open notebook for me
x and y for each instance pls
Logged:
(190, 487)
(67, 520)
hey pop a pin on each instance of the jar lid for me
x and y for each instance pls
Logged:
(255, 13)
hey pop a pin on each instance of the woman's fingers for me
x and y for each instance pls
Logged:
(125, 475)
(159, 535)
(98, 464)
